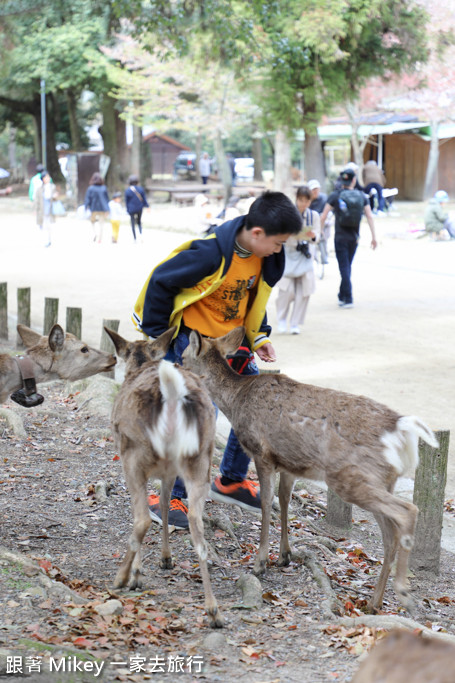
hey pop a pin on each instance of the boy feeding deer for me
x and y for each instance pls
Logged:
(215, 284)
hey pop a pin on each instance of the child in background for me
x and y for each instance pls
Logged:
(116, 212)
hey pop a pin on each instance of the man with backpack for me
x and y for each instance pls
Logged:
(348, 205)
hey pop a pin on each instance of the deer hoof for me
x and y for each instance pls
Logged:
(166, 563)
(406, 600)
(285, 559)
(215, 618)
(136, 583)
(259, 568)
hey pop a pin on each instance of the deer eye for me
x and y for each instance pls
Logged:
(84, 349)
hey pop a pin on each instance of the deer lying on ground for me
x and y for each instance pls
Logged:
(405, 656)
(357, 446)
(58, 356)
(164, 425)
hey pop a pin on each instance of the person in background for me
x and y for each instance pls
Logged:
(348, 205)
(97, 202)
(436, 218)
(115, 213)
(35, 182)
(214, 284)
(298, 281)
(318, 202)
(135, 202)
(204, 168)
(44, 195)
(374, 182)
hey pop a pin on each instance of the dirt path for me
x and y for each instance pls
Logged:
(395, 346)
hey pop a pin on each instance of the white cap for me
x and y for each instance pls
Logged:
(313, 184)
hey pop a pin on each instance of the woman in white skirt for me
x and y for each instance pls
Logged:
(298, 281)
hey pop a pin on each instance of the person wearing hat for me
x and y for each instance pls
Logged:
(436, 218)
(348, 205)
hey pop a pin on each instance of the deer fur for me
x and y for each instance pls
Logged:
(163, 421)
(405, 656)
(356, 445)
(58, 356)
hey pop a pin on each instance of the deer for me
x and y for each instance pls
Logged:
(56, 356)
(404, 655)
(357, 446)
(163, 422)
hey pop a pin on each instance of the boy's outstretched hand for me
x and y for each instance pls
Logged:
(266, 352)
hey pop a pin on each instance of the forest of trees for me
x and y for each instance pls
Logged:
(205, 70)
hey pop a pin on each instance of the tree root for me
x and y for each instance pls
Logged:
(391, 621)
(14, 422)
(331, 605)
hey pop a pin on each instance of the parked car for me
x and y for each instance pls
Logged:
(185, 165)
(244, 168)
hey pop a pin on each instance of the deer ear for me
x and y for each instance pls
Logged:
(231, 341)
(120, 344)
(28, 336)
(56, 338)
(194, 347)
(162, 343)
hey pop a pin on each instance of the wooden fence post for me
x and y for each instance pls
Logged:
(50, 314)
(3, 310)
(74, 321)
(107, 344)
(339, 513)
(429, 487)
(23, 311)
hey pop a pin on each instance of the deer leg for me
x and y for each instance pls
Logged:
(165, 499)
(284, 495)
(404, 549)
(267, 482)
(197, 493)
(137, 486)
(390, 542)
(399, 519)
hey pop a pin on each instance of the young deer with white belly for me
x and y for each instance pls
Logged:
(58, 356)
(163, 422)
(356, 445)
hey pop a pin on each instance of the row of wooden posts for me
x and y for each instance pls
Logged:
(73, 318)
(431, 475)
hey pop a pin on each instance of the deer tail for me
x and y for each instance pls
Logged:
(412, 428)
(175, 433)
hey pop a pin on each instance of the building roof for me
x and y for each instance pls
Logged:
(166, 138)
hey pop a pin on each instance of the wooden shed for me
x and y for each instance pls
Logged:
(405, 159)
(401, 148)
(163, 151)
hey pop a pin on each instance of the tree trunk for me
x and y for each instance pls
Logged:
(257, 155)
(198, 150)
(314, 158)
(123, 151)
(108, 132)
(223, 167)
(136, 151)
(431, 177)
(12, 160)
(282, 181)
(71, 102)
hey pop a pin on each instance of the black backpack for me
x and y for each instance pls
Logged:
(351, 204)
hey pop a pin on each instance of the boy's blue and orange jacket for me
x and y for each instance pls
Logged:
(196, 269)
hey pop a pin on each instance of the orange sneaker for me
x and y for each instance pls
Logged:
(245, 494)
(178, 512)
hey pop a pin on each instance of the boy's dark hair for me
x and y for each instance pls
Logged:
(303, 191)
(40, 168)
(116, 195)
(275, 214)
(133, 180)
(96, 179)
